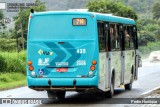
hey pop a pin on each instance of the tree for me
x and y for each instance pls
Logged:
(21, 21)
(103, 6)
(2, 24)
(156, 11)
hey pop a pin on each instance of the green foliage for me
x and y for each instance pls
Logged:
(156, 11)
(23, 16)
(7, 44)
(143, 50)
(21, 20)
(151, 46)
(2, 25)
(6, 34)
(118, 9)
(12, 80)
(149, 27)
(13, 62)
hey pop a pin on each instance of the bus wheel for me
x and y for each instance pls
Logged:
(60, 95)
(129, 86)
(110, 93)
(51, 94)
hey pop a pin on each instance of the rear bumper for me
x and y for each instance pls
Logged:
(62, 83)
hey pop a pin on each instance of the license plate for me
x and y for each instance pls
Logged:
(61, 69)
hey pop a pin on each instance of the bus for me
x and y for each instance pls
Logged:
(80, 51)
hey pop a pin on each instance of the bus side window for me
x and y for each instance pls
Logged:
(111, 37)
(117, 37)
(101, 37)
(106, 31)
(132, 40)
(127, 37)
(114, 37)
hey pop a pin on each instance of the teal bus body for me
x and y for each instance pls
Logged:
(53, 42)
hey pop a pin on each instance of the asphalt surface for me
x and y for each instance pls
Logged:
(148, 79)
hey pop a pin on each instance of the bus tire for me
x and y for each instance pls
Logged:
(60, 95)
(129, 86)
(110, 93)
(51, 94)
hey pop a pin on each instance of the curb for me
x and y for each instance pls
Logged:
(147, 92)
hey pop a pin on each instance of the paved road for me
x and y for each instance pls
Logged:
(149, 78)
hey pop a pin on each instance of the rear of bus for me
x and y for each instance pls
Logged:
(62, 51)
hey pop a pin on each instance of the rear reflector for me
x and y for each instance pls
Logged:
(83, 76)
(31, 68)
(92, 68)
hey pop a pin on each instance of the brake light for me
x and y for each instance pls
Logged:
(94, 62)
(92, 68)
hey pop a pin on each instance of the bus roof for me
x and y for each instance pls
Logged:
(99, 16)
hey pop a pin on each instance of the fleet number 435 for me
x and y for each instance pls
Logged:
(81, 51)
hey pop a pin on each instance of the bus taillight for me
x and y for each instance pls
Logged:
(29, 63)
(94, 62)
(31, 68)
(92, 68)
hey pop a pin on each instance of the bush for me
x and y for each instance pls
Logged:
(151, 46)
(10, 45)
(144, 50)
(13, 62)
(7, 44)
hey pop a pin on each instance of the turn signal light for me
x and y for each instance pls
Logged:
(94, 62)
(92, 68)
(29, 63)
(31, 68)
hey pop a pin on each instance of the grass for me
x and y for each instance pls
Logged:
(12, 80)
(12, 62)
(12, 69)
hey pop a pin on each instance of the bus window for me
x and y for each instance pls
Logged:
(132, 40)
(101, 37)
(127, 37)
(106, 37)
(114, 36)
(117, 37)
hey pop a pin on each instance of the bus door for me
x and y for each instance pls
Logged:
(129, 55)
(115, 51)
(103, 48)
(122, 40)
(136, 51)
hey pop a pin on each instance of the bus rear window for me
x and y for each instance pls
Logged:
(61, 27)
